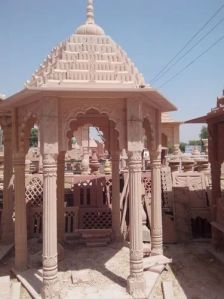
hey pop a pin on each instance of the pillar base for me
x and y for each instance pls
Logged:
(136, 287)
(51, 289)
(156, 251)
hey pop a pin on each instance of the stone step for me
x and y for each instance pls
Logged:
(96, 243)
(97, 239)
(32, 280)
(95, 234)
(5, 285)
(15, 290)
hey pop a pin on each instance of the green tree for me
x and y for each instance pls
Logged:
(182, 146)
(194, 142)
(204, 133)
(34, 137)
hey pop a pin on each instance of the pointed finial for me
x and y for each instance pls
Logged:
(90, 28)
(90, 13)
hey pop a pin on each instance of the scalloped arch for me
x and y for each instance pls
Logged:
(26, 123)
(75, 114)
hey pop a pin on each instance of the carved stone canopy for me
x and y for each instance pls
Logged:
(87, 71)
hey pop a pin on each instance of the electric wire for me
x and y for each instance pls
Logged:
(193, 61)
(189, 50)
(188, 42)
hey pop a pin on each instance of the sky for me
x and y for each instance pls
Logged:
(151, 32)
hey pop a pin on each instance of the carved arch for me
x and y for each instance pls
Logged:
(26, 122)
(91, 114)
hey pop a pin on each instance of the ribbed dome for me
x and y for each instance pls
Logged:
(88, 57)
(90, 29)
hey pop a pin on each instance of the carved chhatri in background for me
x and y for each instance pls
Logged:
(215, 121)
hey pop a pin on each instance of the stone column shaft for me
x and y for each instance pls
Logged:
(20, 212)
(136, 281)
(50, 257)
(85, 147)
(116, 215)
(60, 196)
(216, 186)
(156, 225)
(40, 154)
(8, 204)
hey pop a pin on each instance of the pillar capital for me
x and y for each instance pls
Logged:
(135, 161)
(50, 165)
(156, 164)
(155, 154)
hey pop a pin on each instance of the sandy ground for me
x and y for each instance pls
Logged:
(195, 272)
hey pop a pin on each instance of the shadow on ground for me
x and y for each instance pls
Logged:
(196, 269)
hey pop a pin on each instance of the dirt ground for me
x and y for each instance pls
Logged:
(195, 273)
(195, 270)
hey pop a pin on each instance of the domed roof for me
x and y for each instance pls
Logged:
(87, 58)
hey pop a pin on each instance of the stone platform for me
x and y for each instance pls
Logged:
(85, 273)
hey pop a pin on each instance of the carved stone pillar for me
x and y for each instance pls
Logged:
(85, 147)
(136, 282)
(40, 166)
(116, 217)
(215, 167)
(50, 256)
(61, 196)
(20, 212)
(156, 225)
(7, 236)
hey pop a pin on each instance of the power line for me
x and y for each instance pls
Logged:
(189, 41)
(193, 61)
(189, 50)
